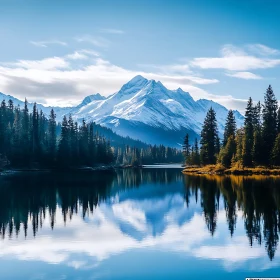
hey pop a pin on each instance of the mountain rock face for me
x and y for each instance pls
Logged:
(146, 110)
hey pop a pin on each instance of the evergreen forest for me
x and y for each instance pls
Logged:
(33, 140)
(256, 143)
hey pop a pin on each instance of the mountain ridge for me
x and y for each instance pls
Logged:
(146, 110)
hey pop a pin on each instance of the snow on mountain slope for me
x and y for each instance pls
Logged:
(146, 104)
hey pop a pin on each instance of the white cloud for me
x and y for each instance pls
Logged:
(244, 75)
(65, 81)
(127, 212)
(44, 64)
(229, 253)
(111, 31)
(234, 59)
(169, 69)
(44, 44)
(94, 40)
(59, 82)
(76, 56)
(263, 50)
(82, 54)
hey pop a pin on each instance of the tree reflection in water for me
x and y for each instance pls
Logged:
(256, 196)
(26, 199)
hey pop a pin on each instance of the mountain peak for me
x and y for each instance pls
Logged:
(184, 93)
(134, 84)
(90, 98)
(137, 79)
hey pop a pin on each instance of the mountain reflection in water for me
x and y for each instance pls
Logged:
(106, 213)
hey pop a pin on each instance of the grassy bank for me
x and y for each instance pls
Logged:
(220, 169)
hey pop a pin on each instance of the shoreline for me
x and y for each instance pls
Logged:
(7, 171)
(58, 170)
(220, 170)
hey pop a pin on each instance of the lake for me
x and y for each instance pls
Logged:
(138, 224)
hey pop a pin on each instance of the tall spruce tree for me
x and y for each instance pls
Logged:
(209, 138)
(16, 139)
(248, 139)
(196, 156)
(257, 142)
(278, 120)
(43, 140)
(25, 136)
(72, 142)
(275, 155)
(230, 127)
(52, 137)
(227, 152)
(186, 147)
(64, 145)
(257, 147)
(2, 126)
(269, 123)
(35, 132)
(257, 115)
(83, 147)
(92, 148)
(239, 145)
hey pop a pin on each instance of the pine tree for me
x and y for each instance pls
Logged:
(239, 146)
(16, 139)
(257, 116)
(278, 120)
(2, 126)
(186, 147)
(190, 159)
(230, 127)
(269, 123)
(35, 132)
(257, 147)
(83, 146)
(227, 152)
(209, 139)
(217, 145)
(9, 125)
(72, 142)
(248, 139)
(52, 137)
(42, 136)
(275, 156)
(196, 157)
(25, 136)
(64, 145)
(110, 154)
(91, 144)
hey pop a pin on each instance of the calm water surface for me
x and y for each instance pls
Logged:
(138, 224)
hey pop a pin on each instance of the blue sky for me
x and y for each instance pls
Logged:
(57, 52)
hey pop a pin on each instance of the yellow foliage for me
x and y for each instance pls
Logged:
(237, 169)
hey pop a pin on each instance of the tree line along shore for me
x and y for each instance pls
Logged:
(253, 148)
(33, 141)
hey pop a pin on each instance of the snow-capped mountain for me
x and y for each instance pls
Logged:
(145, 110)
